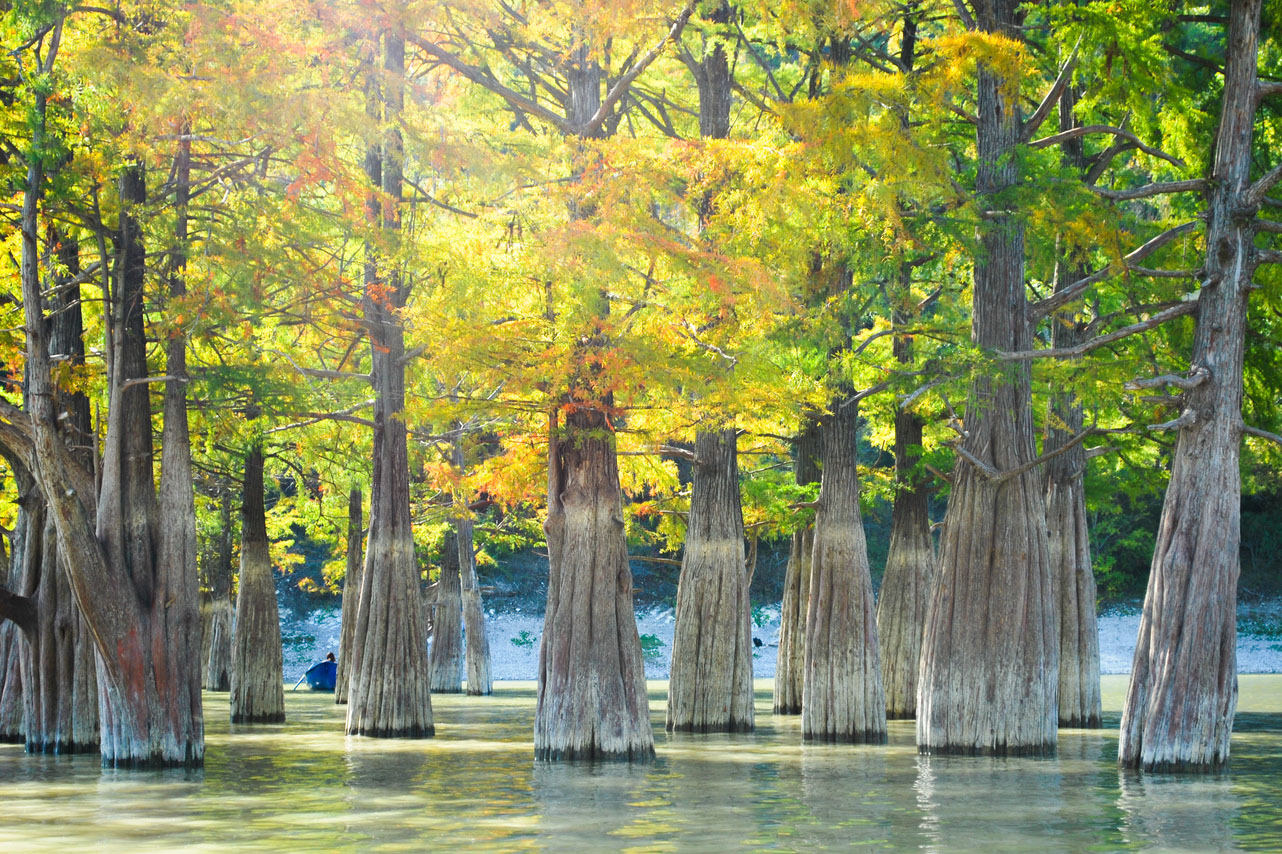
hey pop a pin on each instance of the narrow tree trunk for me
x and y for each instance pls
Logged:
(592, 701)
(351, 593)
(1183, 692)
(842, 698)
(389, 694)
(12, 709)
(257, 678)
(910, 570)
(447, 623)
(710, 687)
(479, 682)
(990, 657)
(790, 668)
(218, 665)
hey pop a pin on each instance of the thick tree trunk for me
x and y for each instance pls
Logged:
(710, 686)
(1183, 692)
(11, 705)
(351, 593)
(910, 570)
(990, 657)
(1068, 540)
(447, 623)
(389, 694)
(217, 674)
(257, 678)
(592, 701)
(842, 698)
(790, 668)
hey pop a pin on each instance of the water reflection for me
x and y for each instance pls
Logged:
(305, 786)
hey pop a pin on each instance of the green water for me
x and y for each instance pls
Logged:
(303, 786)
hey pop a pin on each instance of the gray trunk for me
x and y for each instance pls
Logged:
(842, 698)
(592, 701)
(790, 668)
(710, 686)
(218, 640)
(257, 678)
(351, 592)
(1179, 708)
(479, 682)
(990, 656)
(389, 693)
(447, 623)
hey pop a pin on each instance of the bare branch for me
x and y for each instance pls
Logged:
(317, 417)
(674, 451)
(1043, 307)
(20, 609)
(1095, 343)
(984, 468)
(1051, 98)
(1267, 90)
(148, 380)
(1261, 434)
(1160, 188)
(1187, 418)
(1074, 133)
(1268, 256)
(1195, 378)
(1254, 195)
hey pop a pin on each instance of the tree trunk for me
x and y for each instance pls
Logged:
(257, 678)
(710, 687)
(11, 704)
(447, 623)
(218, 665)
(351, 593)
(1068, 540)
(910, 570)
(842, 698)
(479, 682)
(389, 694)
(1179, 708)
(990, 657)
(592, 701)
(790, 668)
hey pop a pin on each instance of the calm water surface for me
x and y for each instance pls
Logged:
(303, 786)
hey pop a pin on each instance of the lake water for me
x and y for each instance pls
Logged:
(303, 786)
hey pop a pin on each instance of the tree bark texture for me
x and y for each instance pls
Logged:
(790, 667)
(12, 709)
(592, 701)
(909, 573)
(1068, 539)
(842, 696)
(710, 683)
(257, 677)
(479, 682)
(217, 673)
(447, 623)
(351, 592)
(990, 656)
(389, 693)
(1182, 697)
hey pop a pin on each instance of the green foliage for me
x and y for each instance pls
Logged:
(524, 640)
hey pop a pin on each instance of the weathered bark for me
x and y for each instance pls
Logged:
(389, 693)
(592, 701)
(257, 677)
(447, 623)
(990, 657)
(710, 683)
(909, 573)
(1183, 692)
(790, 668)
(11, 708)
(217, 674)
(19, 610)
(842, 697)
(351, 593)
(479, 682)
(1068, 540)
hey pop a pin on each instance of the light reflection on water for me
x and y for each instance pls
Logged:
(304, 786)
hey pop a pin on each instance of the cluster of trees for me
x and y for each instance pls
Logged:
(438, 252)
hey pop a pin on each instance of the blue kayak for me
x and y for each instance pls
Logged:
(321, 677)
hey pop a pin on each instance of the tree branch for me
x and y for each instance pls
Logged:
(1254, 195)
(1051, 98)
(1195, 378)
(20, 609)
(1043, 307)
(1074, 133)
(1187, 417)
(1248, 430)
(1267, 90)
(1095, 343)
(1160, 188)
